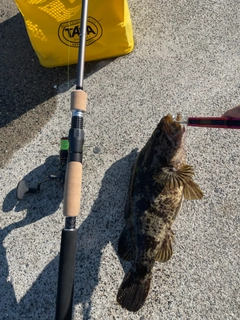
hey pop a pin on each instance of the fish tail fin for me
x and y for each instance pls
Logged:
(133, 291)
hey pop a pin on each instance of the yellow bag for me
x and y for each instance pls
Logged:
(53, 27)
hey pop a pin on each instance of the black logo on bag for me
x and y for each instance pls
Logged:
(69, 32)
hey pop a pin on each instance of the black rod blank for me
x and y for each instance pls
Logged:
(66, 274)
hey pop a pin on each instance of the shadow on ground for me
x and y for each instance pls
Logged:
(27, 89)
(103, 225)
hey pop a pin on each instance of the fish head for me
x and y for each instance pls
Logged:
(171, 128)
(169, 137)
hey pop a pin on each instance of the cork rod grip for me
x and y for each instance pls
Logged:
(72, 189)
(78, 100)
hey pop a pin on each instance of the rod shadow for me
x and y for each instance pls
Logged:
(51, 195)
(103, 225)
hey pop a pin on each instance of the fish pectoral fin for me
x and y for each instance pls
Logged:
(191, 191)
(126, 248)
(165, 252)
(172, 178)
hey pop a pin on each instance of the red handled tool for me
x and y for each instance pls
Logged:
(213, 122)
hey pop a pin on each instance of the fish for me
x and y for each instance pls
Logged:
(160, 180)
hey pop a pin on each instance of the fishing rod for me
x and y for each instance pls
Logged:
(70, 175)
(73, 183)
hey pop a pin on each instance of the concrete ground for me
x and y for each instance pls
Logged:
(186, 59)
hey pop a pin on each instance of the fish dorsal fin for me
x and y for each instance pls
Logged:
(165, 252)
(172, 178)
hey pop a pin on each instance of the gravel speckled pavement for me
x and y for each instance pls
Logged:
(186, 59)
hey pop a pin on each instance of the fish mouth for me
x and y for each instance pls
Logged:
(172, 127)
